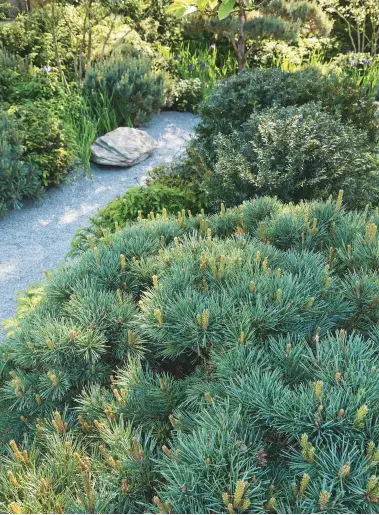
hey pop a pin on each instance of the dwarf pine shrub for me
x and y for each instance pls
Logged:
(134, 91)
(201, 364)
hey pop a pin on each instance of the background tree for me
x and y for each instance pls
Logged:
(245, 23)
(360, 19)
(91, 13)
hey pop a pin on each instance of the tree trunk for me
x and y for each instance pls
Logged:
(107, 37)
(55, 45)
(82, 45)
(241, 40)
(89, 48)
(241, 57)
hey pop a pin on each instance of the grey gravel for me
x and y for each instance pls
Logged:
(38, 237)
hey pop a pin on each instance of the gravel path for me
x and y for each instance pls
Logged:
(38, 237)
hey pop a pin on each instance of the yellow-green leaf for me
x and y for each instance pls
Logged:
(225, 9)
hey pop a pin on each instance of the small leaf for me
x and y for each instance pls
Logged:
(176, 10)
(180, 8)
(225, 9)
(190, 10)
(203, 4)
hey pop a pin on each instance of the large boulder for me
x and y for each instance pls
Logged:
(122, 147)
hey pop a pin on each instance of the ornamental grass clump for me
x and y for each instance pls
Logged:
(198, 364)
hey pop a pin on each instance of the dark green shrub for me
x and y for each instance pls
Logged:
(186, 94)
(4, 9)
(136, 202)
(20, 82)
(36, 101)
(136, 93)
(295, 153)
(12, 68)
(19, 178)
(36, 85)
(267, 155)
(237, 98)
(46, 140)
(242, 349)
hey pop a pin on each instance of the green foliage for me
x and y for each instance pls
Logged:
(20, 82)
(30, 36)
(19, 177)
(46, 141)
(197, 60)
(360, 22)
(34, 86)
(290, 134)
(12, 68)
(33, 34)
(136, 202)
(237, 98)
(186, 94)
(4, 10)
(157, 25)
(295, 153)
(247, 23)
(363, 68)
(307, 51)
(242, 350)
(135, 92)
(113, 23)
(192, 69)
(81, 121)
(36, 103)
(119, 486)
(26, 301)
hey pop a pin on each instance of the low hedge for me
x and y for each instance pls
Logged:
(137, 202)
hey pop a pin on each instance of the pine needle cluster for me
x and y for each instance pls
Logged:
(199, 364)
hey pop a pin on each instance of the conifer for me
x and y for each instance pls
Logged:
(222, 368)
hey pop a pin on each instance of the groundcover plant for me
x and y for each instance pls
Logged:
(198, 364)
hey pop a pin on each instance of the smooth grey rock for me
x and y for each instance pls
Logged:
(122, 147)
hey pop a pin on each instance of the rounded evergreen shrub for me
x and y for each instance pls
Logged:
(133, 89)
(186, 94)
(46, 139)
(295, 153)
(234, 100)
(201, 364)
(296, 135)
